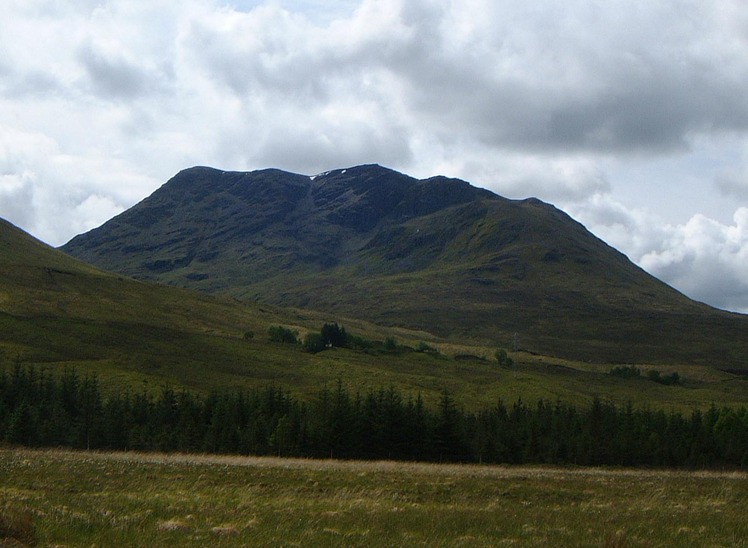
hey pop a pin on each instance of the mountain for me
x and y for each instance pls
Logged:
(57, 312)
(437, 255)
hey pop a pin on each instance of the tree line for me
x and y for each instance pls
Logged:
(39, 408)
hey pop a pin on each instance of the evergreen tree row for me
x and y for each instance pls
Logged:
(65, 410)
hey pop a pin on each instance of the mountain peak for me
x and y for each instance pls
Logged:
(355, 171)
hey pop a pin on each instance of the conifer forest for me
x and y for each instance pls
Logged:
(43, 409)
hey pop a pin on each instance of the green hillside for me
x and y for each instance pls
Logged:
(56, 311)
(435, 255)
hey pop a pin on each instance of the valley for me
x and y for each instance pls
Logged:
(579, 309)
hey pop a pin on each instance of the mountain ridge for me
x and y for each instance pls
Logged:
(433, 254)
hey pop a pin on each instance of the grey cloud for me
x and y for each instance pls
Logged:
(113, 76)
(603, 213)
(733, 184)
(656, 114)
(559, 186)
(561, 180)
(33, 84)
(19, 81)
(644, 97)
(318, 149)
(708, 282)
(320, 11)
(515, 93)
(5, 68)
(262, 52)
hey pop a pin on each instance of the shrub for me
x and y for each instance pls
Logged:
(668, 380)
(357, 342)
(469, 357)
(425, 347)
(314, 343)
(278, 333)
(625, 372)
(654, 375)
(503, 358)
(390, 344)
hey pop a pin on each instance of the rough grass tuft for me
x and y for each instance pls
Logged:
(615, 540)
(17, 527)
(226, 530)
(173, 525)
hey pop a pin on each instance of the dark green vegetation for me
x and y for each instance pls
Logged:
(42, 410)
(280, 334)
(436, 255)
(632, 372)
(81, 499)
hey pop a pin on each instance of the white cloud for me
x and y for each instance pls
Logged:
(16, 197)
(18, 154)
(706, 260)
(89, 212)
(703, 258)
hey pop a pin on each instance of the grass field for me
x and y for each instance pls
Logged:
(76, 499)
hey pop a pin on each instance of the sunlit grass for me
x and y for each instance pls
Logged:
(80, 499)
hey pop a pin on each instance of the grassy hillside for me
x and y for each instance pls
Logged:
(56, 311)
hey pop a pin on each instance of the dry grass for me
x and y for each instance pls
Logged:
(77, 499)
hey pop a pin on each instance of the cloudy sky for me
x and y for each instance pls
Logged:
(632, 116)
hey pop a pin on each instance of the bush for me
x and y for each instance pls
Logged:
(469, 358)
(278, 333)
(424, 347)
(249, 335)
(314, 343)
(390, 344)
(626, 372)
(667, 380)
(357, 342)
(503, 358)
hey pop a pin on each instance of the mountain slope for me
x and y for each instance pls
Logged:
(437, 255)
(58, 311)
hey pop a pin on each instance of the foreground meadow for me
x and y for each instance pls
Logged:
(104, 499)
